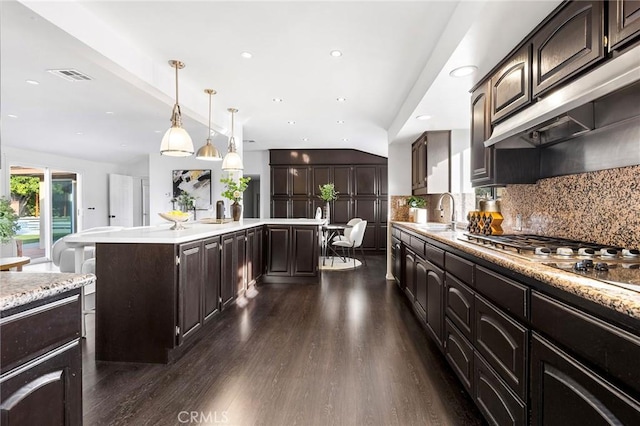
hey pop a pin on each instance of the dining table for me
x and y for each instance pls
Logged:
(7, 263)
(329, 232)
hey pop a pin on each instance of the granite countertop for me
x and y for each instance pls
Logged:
(619, 299)
(161, 234)
(20, 288)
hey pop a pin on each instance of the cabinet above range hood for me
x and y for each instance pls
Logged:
(569, 111)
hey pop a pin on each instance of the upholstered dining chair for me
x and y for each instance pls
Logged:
(348, 230)
(353, 242)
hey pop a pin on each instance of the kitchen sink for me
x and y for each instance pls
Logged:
(434, 226)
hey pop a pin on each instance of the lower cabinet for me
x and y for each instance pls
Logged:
(41, 381)
(211, 270)
(564, 391)
(292, 254)
(459, 354)
(254, 256)
(396, 261)
(190, 290)
(228, 273)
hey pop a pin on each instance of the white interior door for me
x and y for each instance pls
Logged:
(120, 200)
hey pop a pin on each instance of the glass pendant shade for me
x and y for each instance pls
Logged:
(176, 141)
(232, 161)
(208, 152)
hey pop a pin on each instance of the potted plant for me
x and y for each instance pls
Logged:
(233, 191)
(8, 225)
(328, 193)
(417, 209)
(185, 201)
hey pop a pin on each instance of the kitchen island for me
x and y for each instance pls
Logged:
(530, 343)
(159, 289)
(41, 356)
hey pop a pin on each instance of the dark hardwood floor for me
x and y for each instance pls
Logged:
(345, 352)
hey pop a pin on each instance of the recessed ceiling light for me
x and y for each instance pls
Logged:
(291, 122)
(345, 140)
(463, 71)
(277, 100)
(305, 139)
(109, 112)
(341, 99)
(246, 55)
(157, 131)
(336, 53)
(340, 121)
(78, 133)
(35, 83)
(123, 145)
(423, 117)
(12, 116)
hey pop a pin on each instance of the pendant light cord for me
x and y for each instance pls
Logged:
(209, 134)
(176, 65)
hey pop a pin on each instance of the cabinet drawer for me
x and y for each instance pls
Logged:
(498, 404)
(417, 245)
(505, 293)
(395, 232)
(503, 343)
(611, 349)
(434, 255)
(461, 268)
(28, 334)
(459, 301)
(405, 238)
(459, 354)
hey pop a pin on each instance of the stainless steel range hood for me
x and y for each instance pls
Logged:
(567, 112)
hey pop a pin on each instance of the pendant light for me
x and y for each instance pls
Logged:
(232, 160)
(208, 152)
(176, 142)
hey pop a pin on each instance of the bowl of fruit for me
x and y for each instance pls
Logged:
(177, 217)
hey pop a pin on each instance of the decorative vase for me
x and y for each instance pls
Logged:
(327, 212)
(236, 210)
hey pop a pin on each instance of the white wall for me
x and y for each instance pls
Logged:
(399, 169)
(93, 182)
(257, 163)
(461, 161)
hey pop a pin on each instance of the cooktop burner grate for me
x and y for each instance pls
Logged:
(528, 243)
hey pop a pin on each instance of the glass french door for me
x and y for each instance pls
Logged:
(46, 201)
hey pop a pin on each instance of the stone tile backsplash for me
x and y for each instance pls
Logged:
(601, 207)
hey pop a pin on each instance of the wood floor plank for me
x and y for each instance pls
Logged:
(347, 351)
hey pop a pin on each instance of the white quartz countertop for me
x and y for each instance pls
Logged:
(20, 288)
(161, 234)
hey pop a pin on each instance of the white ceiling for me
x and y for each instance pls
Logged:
(395, 65)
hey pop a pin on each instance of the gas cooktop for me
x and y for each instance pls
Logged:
(613, 265)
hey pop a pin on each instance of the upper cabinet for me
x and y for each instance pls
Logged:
(511, 85)
(569, 43)
(624, 22)
(480, 132)
(430, 163)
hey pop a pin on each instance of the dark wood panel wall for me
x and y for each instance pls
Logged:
(359, 177)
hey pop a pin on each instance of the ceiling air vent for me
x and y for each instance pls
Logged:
(70, 75)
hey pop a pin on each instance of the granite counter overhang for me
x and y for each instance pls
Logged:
(623, 301)
(21, 288)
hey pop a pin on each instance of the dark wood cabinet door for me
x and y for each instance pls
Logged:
(240, 262)
(369, 239)
(414, 167)
(278, 250)
(300, 181)
(47, 392)
(624, 22)
(382, 230)
(342, 180)
(511, 85)
(410, 275)
(493, 397)
(342, 211)
(459, 354)
(258, 254)
(481, 157)
(459, 304)
(366, 209)
(569, 43)
(279, 208)
(435, 292)
(300, 208)
(250, 266)
(365, 180)
(383, 180)
(190, 290)
(321, 175)
(304, 250)
(228, 273)
(421, 271)
(279, 181)
(211, 271)
(565, 392)
(398, 259)
(419, 165)
(503, 343)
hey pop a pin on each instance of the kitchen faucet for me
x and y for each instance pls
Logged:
(453, 209)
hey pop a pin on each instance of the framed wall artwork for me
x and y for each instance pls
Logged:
(195, 182)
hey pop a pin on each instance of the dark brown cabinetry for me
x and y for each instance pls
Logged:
(569, 43)
(624, 22)
(254, 256)
(459, 354)
(481, 157)
(360, 179)
(190, 290)
(292, 254)
(228, 275)
(211, 267)
(430, 163)
(511, 85)
(41, 381)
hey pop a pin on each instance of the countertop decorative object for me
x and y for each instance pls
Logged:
(20, 288)
(618, 299)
